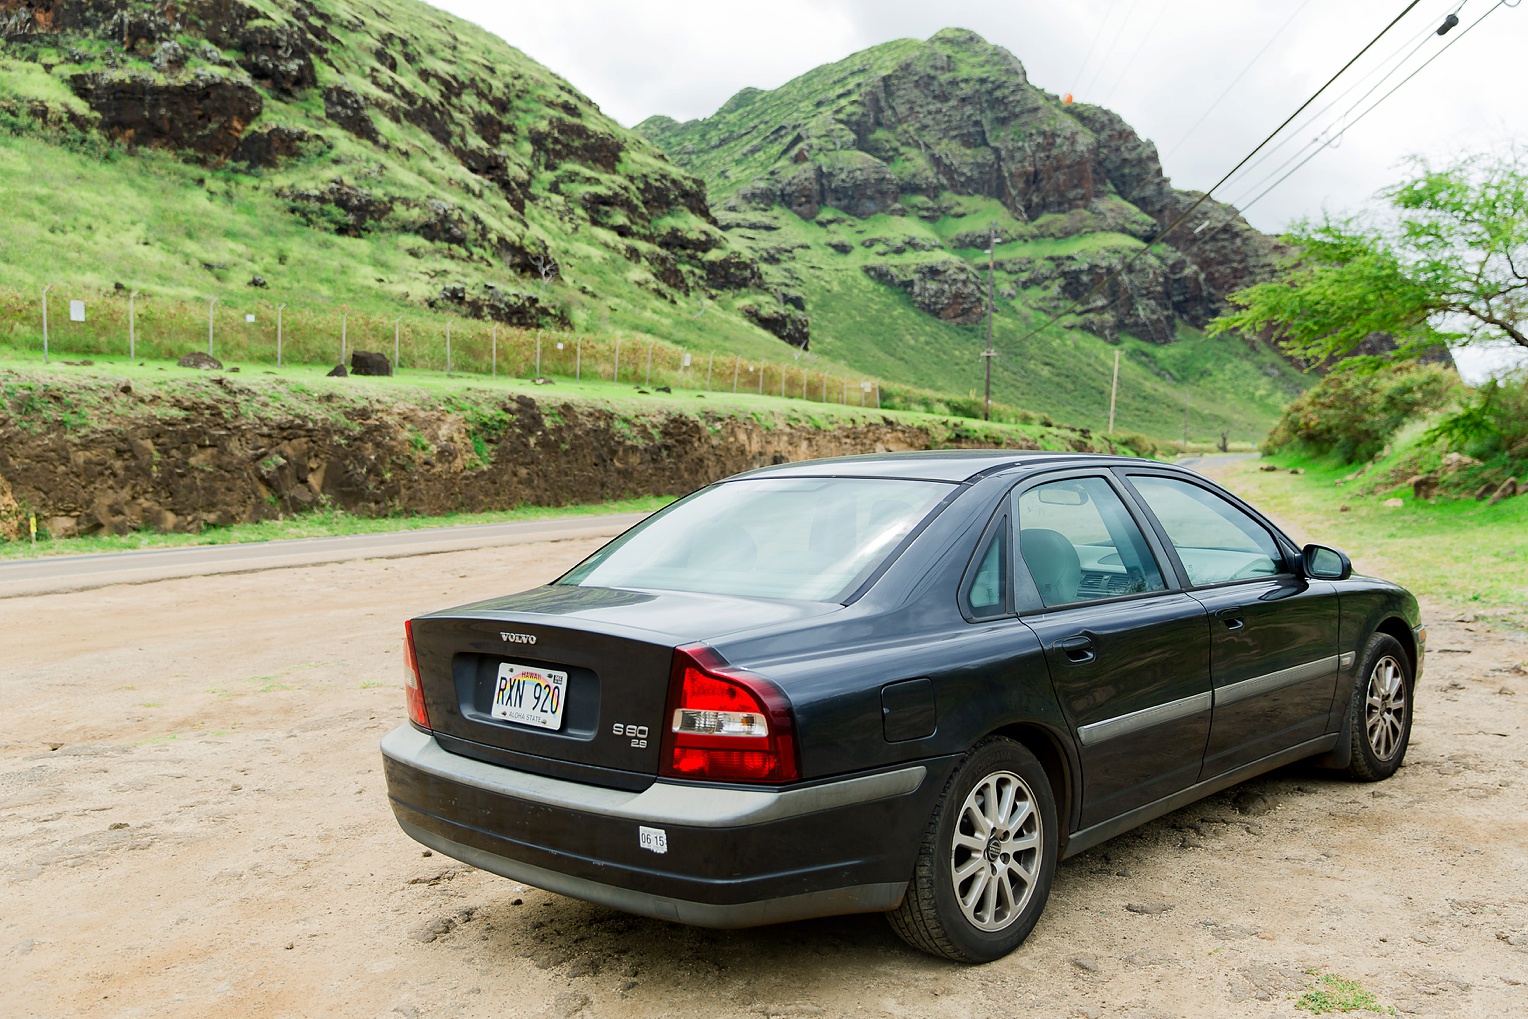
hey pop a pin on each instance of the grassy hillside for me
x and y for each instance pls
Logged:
(394, 153)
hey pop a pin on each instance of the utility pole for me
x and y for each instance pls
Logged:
(132, 327)
(45, 322)
(210, 305)
(987, 354)
(1113, 392)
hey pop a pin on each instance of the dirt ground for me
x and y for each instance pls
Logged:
(193, 823)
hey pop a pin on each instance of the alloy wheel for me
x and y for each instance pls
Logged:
(1385, 708)
(995, 855)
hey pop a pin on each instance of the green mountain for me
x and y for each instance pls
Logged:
(376, 154)
(869, 189)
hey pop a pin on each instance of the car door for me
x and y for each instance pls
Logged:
(1128, 654)
(1273, 650)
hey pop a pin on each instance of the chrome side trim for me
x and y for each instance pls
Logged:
(872, 898)
(662, 802)
(1160, 714)
(1258, 685)
(1345, 660)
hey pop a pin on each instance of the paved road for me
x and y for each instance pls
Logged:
(52, 574)
(1199, 463)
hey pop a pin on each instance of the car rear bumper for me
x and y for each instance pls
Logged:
(734, 857)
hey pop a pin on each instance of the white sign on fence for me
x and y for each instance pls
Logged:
(76, 311)
(249, 318)
(687, 360)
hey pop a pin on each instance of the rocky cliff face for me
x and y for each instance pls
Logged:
(386, 116)
(913, 129)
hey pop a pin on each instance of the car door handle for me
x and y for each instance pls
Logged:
(1232, 617)
(1078, 650)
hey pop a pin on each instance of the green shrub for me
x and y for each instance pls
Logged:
(1355, 410)
(1492, 426)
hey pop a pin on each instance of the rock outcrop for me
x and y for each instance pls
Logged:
(948, 289)
(205, 115)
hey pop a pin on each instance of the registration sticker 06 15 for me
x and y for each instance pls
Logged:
(652, 839)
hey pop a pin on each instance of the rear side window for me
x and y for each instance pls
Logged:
(1081, 544)
(987, 593)
(1216, 541)
(809, 539)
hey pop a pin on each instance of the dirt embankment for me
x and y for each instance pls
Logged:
(103, 454)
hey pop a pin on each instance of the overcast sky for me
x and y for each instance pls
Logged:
(1160, 63)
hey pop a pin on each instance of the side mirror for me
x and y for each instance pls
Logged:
(1322, 563)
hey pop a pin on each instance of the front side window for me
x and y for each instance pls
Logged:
(1080, 543)
(1216, 541)
(810, 539)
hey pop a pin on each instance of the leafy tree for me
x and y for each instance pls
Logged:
(1446, 265)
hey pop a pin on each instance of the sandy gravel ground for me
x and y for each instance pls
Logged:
(193, 823)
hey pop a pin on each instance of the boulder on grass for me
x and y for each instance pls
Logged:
(338, 372)
(369, 362)
(1507, 490)
(205, 362)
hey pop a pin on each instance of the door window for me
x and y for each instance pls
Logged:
(1216, 541)
(1080, 543)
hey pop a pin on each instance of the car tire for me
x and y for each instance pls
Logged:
(1379, 713)
(994, 828)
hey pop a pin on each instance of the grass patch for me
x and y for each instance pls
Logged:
(1332, 993)
(327, 523)
(1459, 551)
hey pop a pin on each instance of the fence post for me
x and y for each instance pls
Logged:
(1113, 392)
(448, 348)
(344, 318)
(649, 382)
(736, 361)
(132, 327)
(616, 375)
(396, 362)
(493, 353)
(761, 378)
(211, 305)
(538, 353)
(45, 322)
(279, 309)
(710, 363)
(578, 361)
(877, 394)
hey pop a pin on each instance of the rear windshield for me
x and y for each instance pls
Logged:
(809, 539)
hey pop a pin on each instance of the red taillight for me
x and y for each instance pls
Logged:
(724, 724)
(413, 690)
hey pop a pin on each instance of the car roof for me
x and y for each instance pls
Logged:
(955, 465)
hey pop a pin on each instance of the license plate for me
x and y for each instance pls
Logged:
(530, 696)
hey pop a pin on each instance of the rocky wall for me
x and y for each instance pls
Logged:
(112, 459)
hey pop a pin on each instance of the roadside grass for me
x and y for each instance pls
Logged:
(1457, 550)
(1332, 993)
(323, 523)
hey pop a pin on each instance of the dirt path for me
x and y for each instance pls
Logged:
(193, 823)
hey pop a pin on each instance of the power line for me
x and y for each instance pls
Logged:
(1205, 196)
(1145, 37)
(1227, 90)
(1361, 116)
(1077, 81)
(1414, 43)
(1104, 60)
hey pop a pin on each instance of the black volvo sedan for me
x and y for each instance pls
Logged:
(907, 683)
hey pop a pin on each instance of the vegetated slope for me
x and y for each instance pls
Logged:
(379, 153)
(868, 189)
